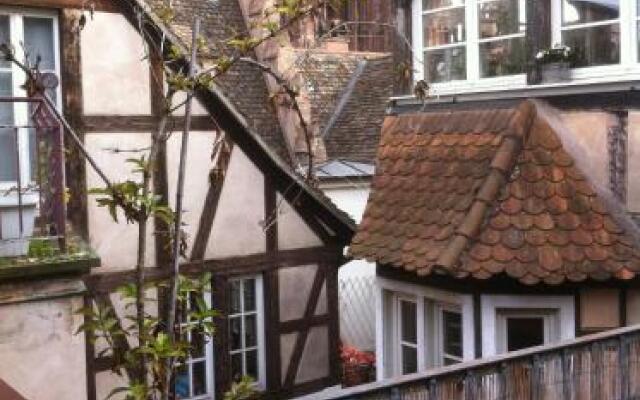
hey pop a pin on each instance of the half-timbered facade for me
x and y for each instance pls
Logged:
(272, 243)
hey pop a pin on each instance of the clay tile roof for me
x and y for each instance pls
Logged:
(483, 193)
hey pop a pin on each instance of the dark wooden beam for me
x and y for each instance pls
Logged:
(272, 290)
(90, 354)
(99, 5)
(222, 365)
(142, 123)
(477, 324)
(623, 306)
(301, 339)
(296, 325)
(538, 35)
(233, 266)
(333, 305)
(72, 99)
(216, 181)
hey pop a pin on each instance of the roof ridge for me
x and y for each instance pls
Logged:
(503, 162)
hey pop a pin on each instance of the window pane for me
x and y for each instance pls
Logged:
(502, 17)
(249, 295)
(581, 11)
(446, 64)
(452, 333)
(8, 146)
(236, 367)
(524, 332)
(409, 360)
(444, 27)
(5, 37)
(235, 297)
(408, 315)
(431, 4)
(199, 372)
(38, 41)
(598, 45)
(252, 364)
(502, 57)
(182, 385)
(250, 331)
(235, 333)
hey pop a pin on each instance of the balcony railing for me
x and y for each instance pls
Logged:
(605, 366)
(32, 189)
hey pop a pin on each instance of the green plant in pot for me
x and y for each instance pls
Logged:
(555, 63)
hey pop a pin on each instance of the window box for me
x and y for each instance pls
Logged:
(555, 72)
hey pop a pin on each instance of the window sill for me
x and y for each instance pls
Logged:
(516, 88)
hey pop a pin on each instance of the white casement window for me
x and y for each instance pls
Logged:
(479, 45)
(195, 378)
(450, 330)
(407, 334)
(519, 329)
(461, 44)
(33, 34)
(246, 329)
(420, 328)
(514, 322)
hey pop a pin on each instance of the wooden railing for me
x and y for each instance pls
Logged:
(604, 366)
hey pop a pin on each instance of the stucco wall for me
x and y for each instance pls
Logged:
(196, 183)
(115, 243)
(293, 232)
(39, 354)
(295, 286)
(633, 162)
(115, 73)
(237, 228)
(599, 308)
(590, 129)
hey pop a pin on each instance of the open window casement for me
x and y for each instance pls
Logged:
(519, 329)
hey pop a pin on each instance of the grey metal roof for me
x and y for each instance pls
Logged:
(344, 169)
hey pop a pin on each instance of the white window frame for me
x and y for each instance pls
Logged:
(387, 348)
(208, 358)
(549, 318)
(440, 354)
(628, 69)
(21, 118)
(261, 382)
(493, 305)
(399, 343)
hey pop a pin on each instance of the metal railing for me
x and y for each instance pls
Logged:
(32, 193)
(604, 366)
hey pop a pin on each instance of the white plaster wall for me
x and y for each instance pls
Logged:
(237, 228)
(293, 232)
(590, 129)
(196, 107)
(295, 285)
(315, 358)
(115, 74)
(633, 307)
(196, 183)
(115, 243)
(633, 162)
(40, 356)
(352, 200)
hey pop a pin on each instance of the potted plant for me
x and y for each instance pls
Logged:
(358, 366)
(555, 63)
